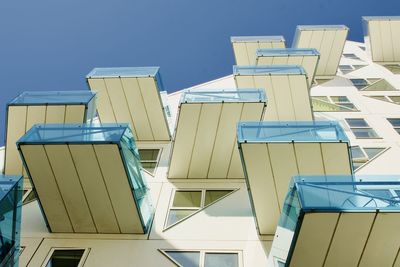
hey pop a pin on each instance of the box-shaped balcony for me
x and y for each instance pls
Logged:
(329, 40)
(286, 87)
(87, 178)
(131, 95)
(204, 145)
(382, 38)
(306, 57)
(245, 47)
(339, 221)
(30, 108)
(11, 192)
(273, 152)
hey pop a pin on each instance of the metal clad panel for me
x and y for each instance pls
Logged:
(251, 52)
(225, 140)
(184, 140)
(15, 129)
(119, 188)
(395, 29)
(296, 60)
(55, 114)
(283, 97)
(205, 137)
(304, 39)
(264, 60)
(349, 239)
(154, 108)
(336, 52)
(35, 114)
(284, 167)
(46, 188)
(300, 98)
(325, 45)
(74, 113)
(278, 44)
(95, 189)
(244, 81)
(271, 112)
(376, 41)
(314, 238)
(250, 112)
(270, 45)
(383, 243)
(309, 160)
(336, 158)
(137, 108)
(309, 64)
(104, 107)
(387, 45)
(240, 52)
(280, 60)
(70, 188)
(262, 187)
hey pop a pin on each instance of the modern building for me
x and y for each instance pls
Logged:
(293, 160)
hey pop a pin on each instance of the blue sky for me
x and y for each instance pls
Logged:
(53, 44)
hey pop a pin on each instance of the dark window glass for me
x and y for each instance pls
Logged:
(65, 258)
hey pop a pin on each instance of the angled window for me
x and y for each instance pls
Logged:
(351, 56)
(395, 123)
(361, 156)
(187, 202)
(62, 257)
(361, 128)
(394, 68)
(395, 99)
(149, 159)
(349, 68)
(28, 196)
(374, 84)
(203, 258)
(332, 104)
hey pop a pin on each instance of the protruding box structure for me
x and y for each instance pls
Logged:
(382, 38)
(245, 47)
(286, 87)
(306, 57)
(131, 95)
(87, 178)
(30, 108)
(329, 40)
(11, 192)
(273, 152)
(205, 138)
(336, 221)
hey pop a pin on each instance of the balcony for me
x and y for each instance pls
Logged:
(339, 221)
(30, 108)
(245, 47)
(329, 40)
(286, 87)
(87, 178)
(204, 145)
(273, 152)
(132, 95)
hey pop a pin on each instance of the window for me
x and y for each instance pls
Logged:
(200, 258)
(361, 128)
(361, 156)
(187, 202)
(395, 99)
(149, 159)
(351, 56)
(375, 84)
(396, 124)
(62, 257)
(394, 68)
(332, 104)
(349, 68)
(29, 196)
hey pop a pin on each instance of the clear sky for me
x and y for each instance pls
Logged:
(53, 44)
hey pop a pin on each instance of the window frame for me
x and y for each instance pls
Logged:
(81, 262)
(351, 56)
(339, 104)
(362, 127)
(369, 82)
(369, 160)
(157, 161)
(26, 194)
(347, 68)
(388, 98)
(396, 128)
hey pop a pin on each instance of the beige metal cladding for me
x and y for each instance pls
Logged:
(83, 188)
(347, 239)
(287, 93)
(270, 167)
(245, 47)
(329, 40)
(205, 139)
(382, 38)
(131, 95)
(20, 118)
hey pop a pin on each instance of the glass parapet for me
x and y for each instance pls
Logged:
(53, 98)
(321, 27)
(379, 18)
(11, 191)
(297, 131)
(230, 95)
(255, 39)
(269, 70)
(268, 52)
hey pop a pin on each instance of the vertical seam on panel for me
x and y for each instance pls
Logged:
(109, 100)
(127, 105)
(367, 240)
(65, 113)
(331, 240)
(33, 255)
(215, 139)
(330, 53)
(273, 90)
(234, 143)
(105, 186)
(291, 95)
(194, 141)
(395, 259)
(83, 191)
(273, 176)
(19, 160)
(391, 41)
(145, 109)
(58, 187)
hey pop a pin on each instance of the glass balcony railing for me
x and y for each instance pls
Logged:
(53, 97)
(11, 192)
(264, 52)
(320, 27)
(269, 70)
(298, 131)
(231, 95)
(254, 39)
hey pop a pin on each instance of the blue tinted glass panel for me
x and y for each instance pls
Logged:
(269, 70)
(53, 97)
(185, 258)
(287, 51)
(123, 72)
(254, 39)
(242, 95)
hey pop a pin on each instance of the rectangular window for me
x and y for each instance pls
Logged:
(149, 159)
(61, 257)
(204, 258)
(332, 104)
(351, 56)
(361, 128)
(349, 68)
(372, 84)
(395, 123)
